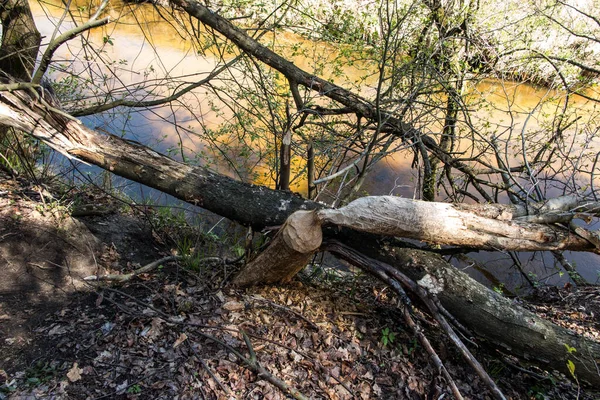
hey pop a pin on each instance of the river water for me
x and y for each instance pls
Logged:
(147, 47)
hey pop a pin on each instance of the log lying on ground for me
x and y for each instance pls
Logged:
(489, 226)
(261, 206)
(488, 314)
(248, 204)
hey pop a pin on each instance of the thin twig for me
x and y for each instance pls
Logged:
(208, 370)
(255, 366)
(434, 357)
(287, 309)
(93, 22)
(250, 363)
(127, 277)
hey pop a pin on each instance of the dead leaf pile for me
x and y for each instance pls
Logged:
(162, 340)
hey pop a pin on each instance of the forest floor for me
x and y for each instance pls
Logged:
(171, 333)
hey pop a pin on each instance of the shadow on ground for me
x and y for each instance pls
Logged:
(44, 256)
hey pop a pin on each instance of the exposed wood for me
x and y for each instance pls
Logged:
(297, 240)
(483, 227)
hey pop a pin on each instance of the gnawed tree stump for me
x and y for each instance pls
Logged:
(297, 240)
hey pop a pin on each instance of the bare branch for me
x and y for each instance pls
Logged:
(93, 22)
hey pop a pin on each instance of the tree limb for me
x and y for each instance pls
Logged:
(93, 22)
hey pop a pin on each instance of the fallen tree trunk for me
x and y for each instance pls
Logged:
(488, 226)
(481, 310)
(486, 313)
(475, 306)
(248, 204)
(491, 316)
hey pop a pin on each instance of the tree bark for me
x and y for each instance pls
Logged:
(491, 316)
(488, 314)
(297, 240)
(285, 160)
(20, 40)
(480, 226)
(310, 171)
(18, 51)
(247, 204)
(488, 226)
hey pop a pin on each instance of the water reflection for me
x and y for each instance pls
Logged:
(148, 46)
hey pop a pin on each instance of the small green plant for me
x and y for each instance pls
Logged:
(166, 218)
(571, 367)
(537, 392)
(571, 364)
(134, 389)
(499, 289)
(185, 246)
(191, 258)
(570, 350)
(238, 250)
(39, 373)
(192, 261)
(534, 278)
(496, 368)
(413, 345)
(387, 337)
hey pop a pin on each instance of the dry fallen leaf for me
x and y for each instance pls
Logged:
(180, 340)
(57, 330)
(74, 373)
(233, 306)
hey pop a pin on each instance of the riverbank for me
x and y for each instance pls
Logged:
(554, 45)
(170, 333)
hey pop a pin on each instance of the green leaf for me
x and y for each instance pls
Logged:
(570, 349)
(571, 367)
